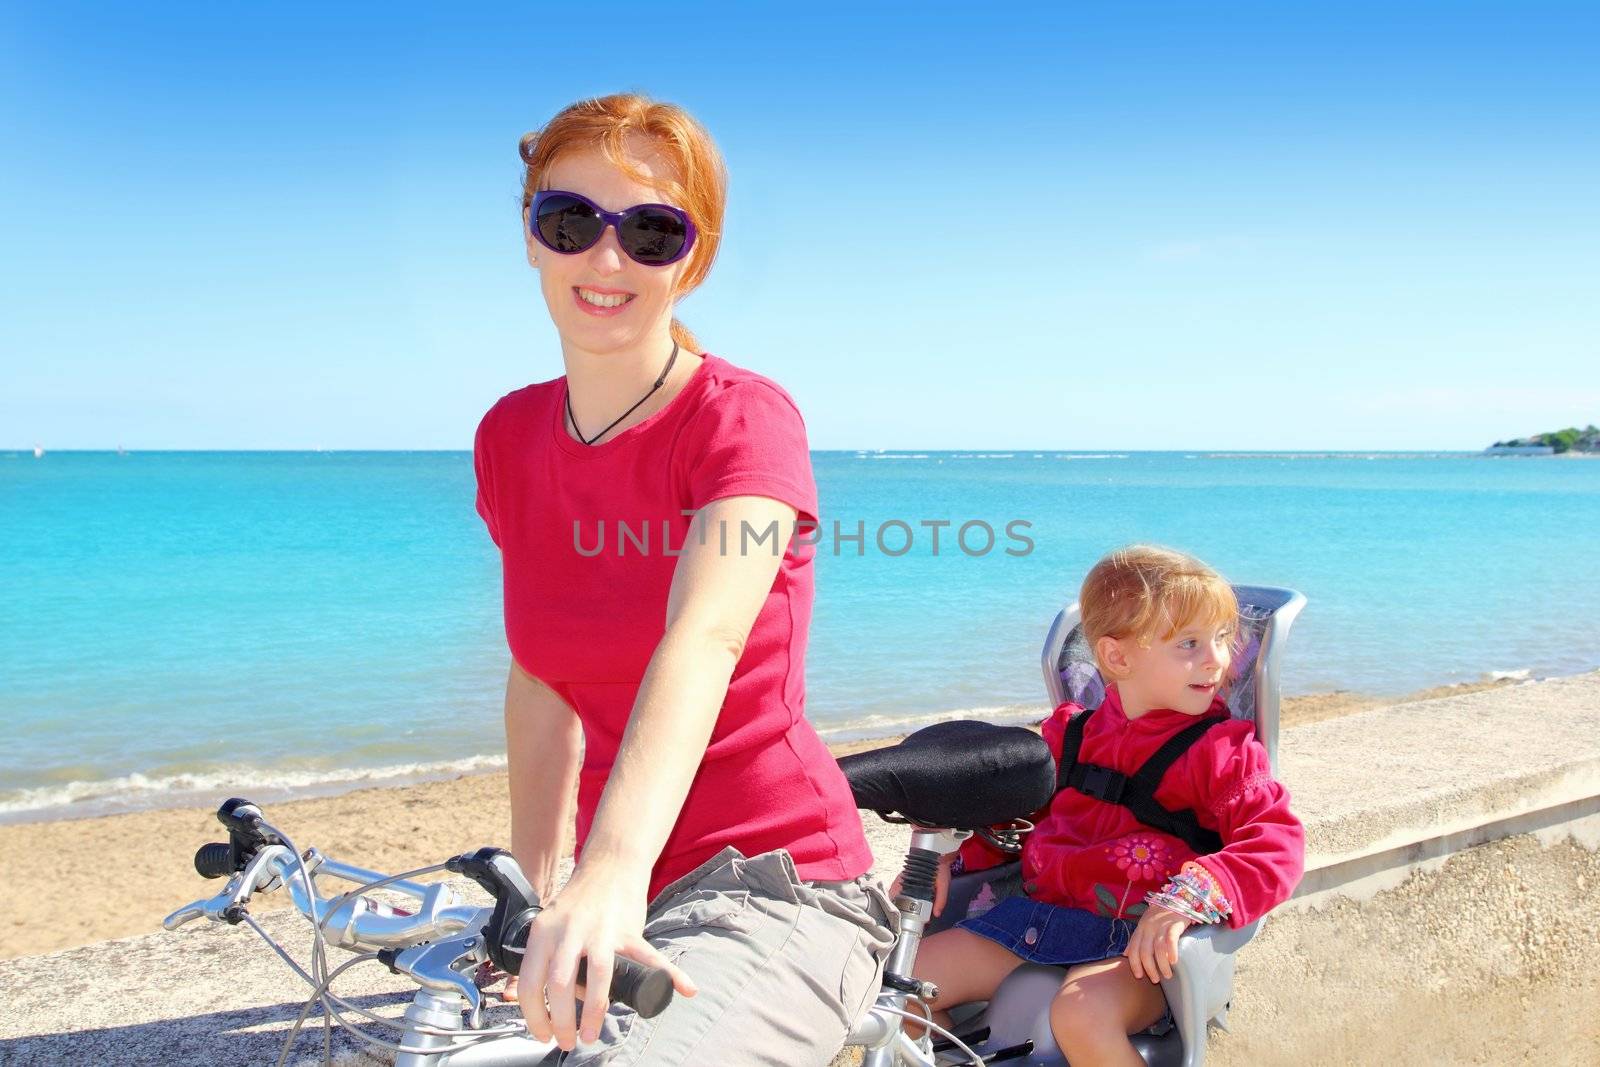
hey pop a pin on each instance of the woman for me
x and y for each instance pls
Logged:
(657, 608)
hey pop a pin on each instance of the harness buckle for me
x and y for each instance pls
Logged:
(1103, 783)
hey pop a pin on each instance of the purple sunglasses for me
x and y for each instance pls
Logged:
(651, 234)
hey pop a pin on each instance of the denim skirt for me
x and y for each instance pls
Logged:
(1050, 933)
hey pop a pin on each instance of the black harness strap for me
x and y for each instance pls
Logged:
(1137, 792)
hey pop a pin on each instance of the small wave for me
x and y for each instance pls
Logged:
(1509, 676)
(135, 792)
(867, 727)
(1093, 455)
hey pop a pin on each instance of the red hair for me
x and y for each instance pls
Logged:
(1145, 591)
(701, 186)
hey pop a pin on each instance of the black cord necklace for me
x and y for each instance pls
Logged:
(659, 382)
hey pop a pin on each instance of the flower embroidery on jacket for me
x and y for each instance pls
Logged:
(1142, 857)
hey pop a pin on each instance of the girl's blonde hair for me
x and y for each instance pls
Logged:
(605, 123)
(1146, 591)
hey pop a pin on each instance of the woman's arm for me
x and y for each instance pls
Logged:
(713, 603)
(543, 745)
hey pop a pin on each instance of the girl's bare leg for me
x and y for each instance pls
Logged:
(964, 966)
(1098, 1006)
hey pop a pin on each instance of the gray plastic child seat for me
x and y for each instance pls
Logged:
(1201, 987)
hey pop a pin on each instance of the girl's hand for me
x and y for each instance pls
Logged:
(1153, 948)
(941, 884)
(594, 919)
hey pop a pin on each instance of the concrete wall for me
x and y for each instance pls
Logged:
(1484, 956)
(1448, 913)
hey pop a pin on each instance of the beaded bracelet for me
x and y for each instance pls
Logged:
(1195, 877)
(1193, 893)
(1171, 904)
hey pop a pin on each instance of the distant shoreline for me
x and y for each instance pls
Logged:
(111, 802)
(1018, 452)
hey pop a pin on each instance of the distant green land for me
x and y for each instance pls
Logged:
(1571, 439)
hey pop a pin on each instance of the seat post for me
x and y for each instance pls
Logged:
(915, 902)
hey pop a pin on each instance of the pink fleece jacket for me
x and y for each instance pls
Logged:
(1086, 853)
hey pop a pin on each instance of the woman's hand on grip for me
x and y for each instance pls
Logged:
(593, 919)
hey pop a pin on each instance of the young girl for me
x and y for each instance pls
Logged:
(1162, 628)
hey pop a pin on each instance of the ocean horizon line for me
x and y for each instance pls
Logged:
(987, 451)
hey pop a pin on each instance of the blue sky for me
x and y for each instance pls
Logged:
(1112, 226)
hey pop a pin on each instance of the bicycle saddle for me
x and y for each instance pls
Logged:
(963, 775)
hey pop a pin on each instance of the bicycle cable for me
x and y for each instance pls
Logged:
(300, 1021)
(365, 887)
(936, 1028)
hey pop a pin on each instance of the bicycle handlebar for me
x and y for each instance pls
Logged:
(258, 860)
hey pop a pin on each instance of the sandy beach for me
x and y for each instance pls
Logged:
(74, 882)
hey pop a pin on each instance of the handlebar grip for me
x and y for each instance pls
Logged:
(641, 987)
(645, 989)
(214, 860)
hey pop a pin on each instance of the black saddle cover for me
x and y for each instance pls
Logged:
(962, 775)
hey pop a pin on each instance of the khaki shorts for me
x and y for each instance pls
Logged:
(784, 968)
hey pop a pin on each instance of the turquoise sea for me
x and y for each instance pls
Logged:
(174, 626)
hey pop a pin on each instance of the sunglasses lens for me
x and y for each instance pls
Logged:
(567, 224)
(652, 235)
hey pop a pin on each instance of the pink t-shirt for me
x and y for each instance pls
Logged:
(589, 536)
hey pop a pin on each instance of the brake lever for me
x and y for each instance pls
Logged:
(440, 966)
(197, 910)
(229, 905)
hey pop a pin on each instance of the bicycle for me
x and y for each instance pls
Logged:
(445, 942)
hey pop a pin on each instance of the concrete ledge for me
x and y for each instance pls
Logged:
(1450, 843)
(1420, 775)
